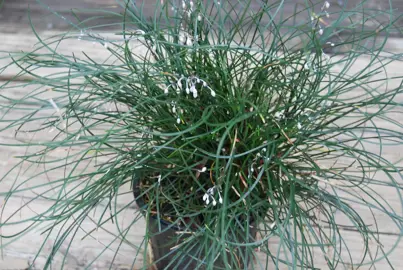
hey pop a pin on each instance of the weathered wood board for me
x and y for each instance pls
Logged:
(14, 14)
(84, 251)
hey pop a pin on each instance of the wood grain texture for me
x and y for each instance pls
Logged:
(82, 252)
(14, 14)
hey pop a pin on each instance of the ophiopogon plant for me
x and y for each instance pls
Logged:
(223, 116)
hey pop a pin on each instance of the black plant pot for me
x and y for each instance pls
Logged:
(163, 251)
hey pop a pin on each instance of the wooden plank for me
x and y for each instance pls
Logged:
(96, 50)
(13, 263)
(14, 13)
(84, 251)
(388, 246)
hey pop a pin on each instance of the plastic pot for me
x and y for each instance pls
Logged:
(163, 251)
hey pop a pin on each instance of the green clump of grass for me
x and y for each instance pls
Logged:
(223, 116)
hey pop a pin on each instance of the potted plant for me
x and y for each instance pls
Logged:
(233, 124)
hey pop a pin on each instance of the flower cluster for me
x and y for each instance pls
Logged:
(210, 195)
(317, 21)
(279, 115)
(188, 7)
(189, 109)
(185, 39)
(190, 84)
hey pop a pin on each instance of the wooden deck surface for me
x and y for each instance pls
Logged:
(81, 252)
(14, 13)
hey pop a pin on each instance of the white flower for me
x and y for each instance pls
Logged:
(203, 169)
(199, 18)
(299, 126)
(174, 109)
(210, 195)
(212, 92)
(179, 83)
(327, 4)
(220, 198)
(191, 83)
(166, 89)
(182, 38)
(189, 42)
(178, 120)
(206, 197)
(320, 31)
(279, 115)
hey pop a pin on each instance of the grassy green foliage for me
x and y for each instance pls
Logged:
(224, 116)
